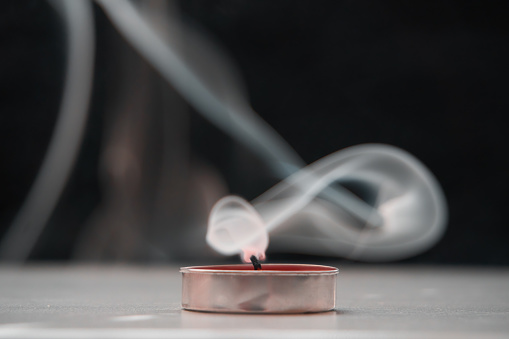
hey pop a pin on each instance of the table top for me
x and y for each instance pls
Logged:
(47, 301)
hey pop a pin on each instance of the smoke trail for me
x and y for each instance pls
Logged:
(66, 140)
(408, 199)
(209, 81)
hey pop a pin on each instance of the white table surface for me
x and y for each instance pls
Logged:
(144, 302)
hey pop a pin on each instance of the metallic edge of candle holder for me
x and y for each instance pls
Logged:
(212, 289)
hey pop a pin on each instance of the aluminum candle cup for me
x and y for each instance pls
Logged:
(277, 288)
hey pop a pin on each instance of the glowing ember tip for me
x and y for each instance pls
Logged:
(256, 263)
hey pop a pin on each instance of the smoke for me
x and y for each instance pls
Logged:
(66, 140)
(405, 206)
(370, 202)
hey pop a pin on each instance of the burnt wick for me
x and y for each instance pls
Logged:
(256, 263)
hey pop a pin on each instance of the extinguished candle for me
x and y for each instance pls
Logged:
(278, 288)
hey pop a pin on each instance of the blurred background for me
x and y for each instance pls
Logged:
(430, 78)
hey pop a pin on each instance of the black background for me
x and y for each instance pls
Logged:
(429, 77)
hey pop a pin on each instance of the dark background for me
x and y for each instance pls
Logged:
(429, 77)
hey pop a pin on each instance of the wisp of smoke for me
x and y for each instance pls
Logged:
(370, 202)
(406, 202)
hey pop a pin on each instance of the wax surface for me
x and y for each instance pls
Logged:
(269, 267)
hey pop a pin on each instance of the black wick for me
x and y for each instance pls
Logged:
(256, 263)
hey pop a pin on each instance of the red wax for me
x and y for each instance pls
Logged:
(268, 267)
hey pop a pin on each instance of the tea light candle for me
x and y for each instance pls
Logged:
(275, 288)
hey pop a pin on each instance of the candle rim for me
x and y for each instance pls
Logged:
(266, 269)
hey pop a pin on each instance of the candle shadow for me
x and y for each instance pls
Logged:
(339, 312)
(342, 312)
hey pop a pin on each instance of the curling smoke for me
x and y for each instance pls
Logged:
(407, 209)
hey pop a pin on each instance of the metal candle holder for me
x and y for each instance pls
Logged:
(276, 288)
